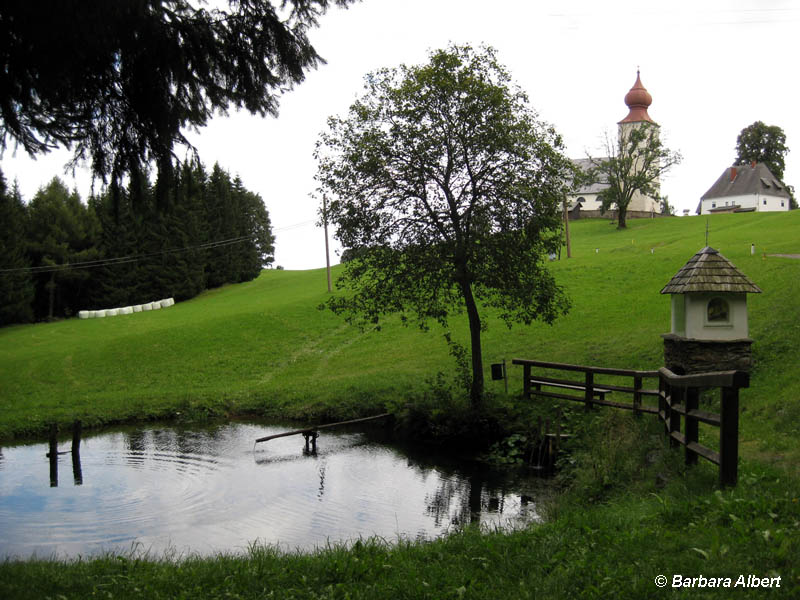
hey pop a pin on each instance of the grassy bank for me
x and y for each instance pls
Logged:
(263, 346)
(608, 539)
(629, 512)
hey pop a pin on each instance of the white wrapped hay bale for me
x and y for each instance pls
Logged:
(112, 312)
(147, 306)
(166, 303)
(92, 314)
(101, 314)
(170, 301)
(156, 304)
(83, 314)
(128, 310)
(137, 308)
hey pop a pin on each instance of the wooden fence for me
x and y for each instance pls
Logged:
(678, 396)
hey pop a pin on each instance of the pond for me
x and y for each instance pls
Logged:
(174, 491)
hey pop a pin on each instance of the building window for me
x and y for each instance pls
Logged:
(783, 203)
(718, 311)
(713, 205)
(764, 202)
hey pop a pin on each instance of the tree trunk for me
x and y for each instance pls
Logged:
(476, 389)
(621, 214)
(51, 288)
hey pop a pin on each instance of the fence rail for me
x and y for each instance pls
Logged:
(678, 400)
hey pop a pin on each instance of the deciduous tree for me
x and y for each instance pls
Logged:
(446, 190)
(634, 164)
(765, 144)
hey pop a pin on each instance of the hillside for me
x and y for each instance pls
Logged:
(264, 345)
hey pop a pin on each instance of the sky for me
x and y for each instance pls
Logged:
(712, 67)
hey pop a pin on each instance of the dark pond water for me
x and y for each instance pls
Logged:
(175, 491)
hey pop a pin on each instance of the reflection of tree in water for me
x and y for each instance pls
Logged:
(182, 444)
(135, 446)
(460, 500)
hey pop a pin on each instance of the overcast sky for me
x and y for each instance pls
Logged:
(712, 68)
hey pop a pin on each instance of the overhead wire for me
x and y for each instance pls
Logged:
(104, 262)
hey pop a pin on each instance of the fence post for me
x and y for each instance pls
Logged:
(691, 425)
(676, 397)
(526, 383)
(729, 436)
(637, 395)
(589, 390)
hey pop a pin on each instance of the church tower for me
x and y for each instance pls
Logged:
(638, 100)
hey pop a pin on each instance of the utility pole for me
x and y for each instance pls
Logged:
(327, 250)
(566, 229)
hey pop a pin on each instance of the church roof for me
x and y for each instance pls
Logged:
(589, 187)
(638, 100)
(746, 180)
(709, 271)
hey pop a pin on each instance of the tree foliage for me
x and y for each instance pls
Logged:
(121, 80)
(634, 164)
(446, 191)
(16, 287)
(125, 247)
(764, 144)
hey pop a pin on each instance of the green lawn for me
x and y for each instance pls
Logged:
(629, 511)
(264, 346)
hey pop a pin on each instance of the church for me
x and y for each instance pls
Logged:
(584, 200)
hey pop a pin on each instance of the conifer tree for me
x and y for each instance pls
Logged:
(16, 285)
(63, 232)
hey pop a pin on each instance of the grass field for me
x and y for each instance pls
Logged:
(264, 346)
(629, 511)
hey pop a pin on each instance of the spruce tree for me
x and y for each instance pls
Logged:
(16, 284)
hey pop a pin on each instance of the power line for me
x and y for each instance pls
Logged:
(120, 260)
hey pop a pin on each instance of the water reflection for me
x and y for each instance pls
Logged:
(211, 490)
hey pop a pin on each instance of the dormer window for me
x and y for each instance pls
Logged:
(718, 311)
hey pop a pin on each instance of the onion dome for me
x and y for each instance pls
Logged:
(638, 100)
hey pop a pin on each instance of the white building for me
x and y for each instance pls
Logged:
(745, 188)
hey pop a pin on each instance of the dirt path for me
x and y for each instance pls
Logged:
(797, 256)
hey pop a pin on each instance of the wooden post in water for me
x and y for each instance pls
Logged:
(77, 472)
(53, 455)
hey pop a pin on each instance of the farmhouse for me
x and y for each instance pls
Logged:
(585, 199)
(745, 188)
